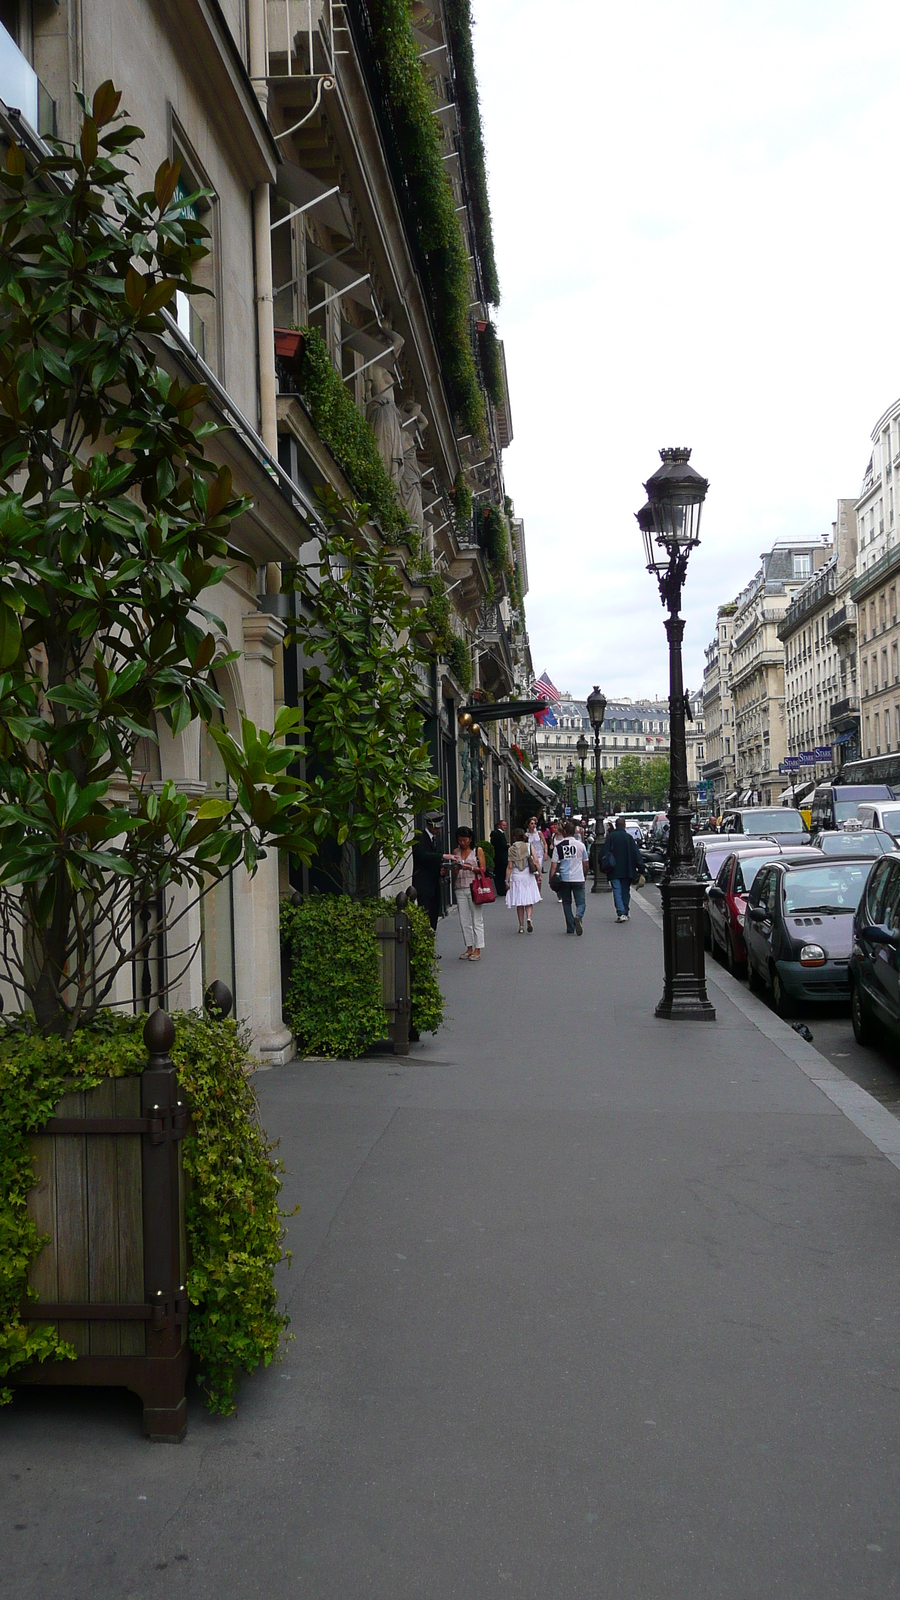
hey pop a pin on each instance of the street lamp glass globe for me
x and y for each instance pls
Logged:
(570, 770)
(582, 748)
(596, 705)
(675, 495)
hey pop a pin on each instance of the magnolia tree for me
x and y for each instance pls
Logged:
(113, 525)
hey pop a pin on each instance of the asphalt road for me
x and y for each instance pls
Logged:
(586, 1306)
(876, 1069)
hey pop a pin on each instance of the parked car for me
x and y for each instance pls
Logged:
(871, 842)
(709, 854)
(773, 822)
(880, 814)
(834, 803)
(875, 957)
(798, 929)
(726, 898)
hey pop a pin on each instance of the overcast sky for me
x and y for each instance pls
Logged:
(696, 221)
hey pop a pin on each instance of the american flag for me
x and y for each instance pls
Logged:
(544, 688)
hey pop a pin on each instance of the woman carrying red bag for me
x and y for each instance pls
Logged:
(465, 863)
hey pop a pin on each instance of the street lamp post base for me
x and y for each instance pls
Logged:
(684, 990)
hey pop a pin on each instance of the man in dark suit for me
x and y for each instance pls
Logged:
(500, 841)
(428, 860)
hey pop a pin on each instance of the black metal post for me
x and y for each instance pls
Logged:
(684, 989)
(598, 885)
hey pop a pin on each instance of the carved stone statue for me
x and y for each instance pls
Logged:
(411, 476)
(384, 420)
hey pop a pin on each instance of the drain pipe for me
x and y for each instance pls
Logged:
(262, 243)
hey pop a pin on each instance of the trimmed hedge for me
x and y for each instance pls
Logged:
(332, 1001)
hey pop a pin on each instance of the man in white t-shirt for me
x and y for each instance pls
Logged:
(568, 860)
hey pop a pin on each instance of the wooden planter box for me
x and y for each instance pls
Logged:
(289, 347)
(392, 933)
(110, 1194)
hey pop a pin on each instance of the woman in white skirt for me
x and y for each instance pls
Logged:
(464, 863)
(523, 889)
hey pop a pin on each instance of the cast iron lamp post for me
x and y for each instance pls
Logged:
(670, 524)
(581, 750)
(570, 773)
(596, 705)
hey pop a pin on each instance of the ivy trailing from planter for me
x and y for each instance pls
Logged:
(461, 496)
(491, 363)
(459, 22)
(234, 1226)
(495, 534)
(460, 661)
(409, 104)
(341, 426)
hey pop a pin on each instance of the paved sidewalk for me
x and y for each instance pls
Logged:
(585, 1305)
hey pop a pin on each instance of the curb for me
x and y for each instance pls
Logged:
(879, 1126)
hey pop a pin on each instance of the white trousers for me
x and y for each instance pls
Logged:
(471, 920)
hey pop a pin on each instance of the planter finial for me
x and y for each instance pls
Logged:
(217, 1000)
(159, 1033)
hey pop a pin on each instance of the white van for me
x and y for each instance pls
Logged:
(880, 814)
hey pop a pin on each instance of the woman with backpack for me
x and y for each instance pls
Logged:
(522, 879)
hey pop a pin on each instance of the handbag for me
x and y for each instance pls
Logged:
(482, 889)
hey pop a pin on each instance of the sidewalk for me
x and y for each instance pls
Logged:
(585, 1306)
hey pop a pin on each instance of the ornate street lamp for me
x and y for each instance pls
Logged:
(596, 706)
(670, 524)
(581, 750)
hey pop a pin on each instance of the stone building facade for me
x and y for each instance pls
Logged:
(874, 594)
(718, 769)
(757, 673)
(631, 727)
(819, 635)
(282, 112)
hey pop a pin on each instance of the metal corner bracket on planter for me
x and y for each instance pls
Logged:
(110, 1194)
(670, 525)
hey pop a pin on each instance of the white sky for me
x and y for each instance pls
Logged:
(696, 221)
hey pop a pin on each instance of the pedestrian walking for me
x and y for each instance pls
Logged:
(500, 842)
(465, 861)
(428, 866)
(536, 842)
(567, 863)
(624, 866)
(522, 879)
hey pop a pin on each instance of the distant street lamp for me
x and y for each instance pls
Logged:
(581, 750)
(570, 773)
(596, 705)
(670, 524)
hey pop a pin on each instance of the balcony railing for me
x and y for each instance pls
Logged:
(844, 708)
(843, 621)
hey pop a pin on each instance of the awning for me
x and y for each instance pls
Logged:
(730, 799)
(797, 791)
(746, 798)
(527, 781)
(300, 188)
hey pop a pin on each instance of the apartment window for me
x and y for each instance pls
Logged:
(728, 747)
(802, 565)
(199, 316)
(897, 725)
(877, 734)
(895, 663)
